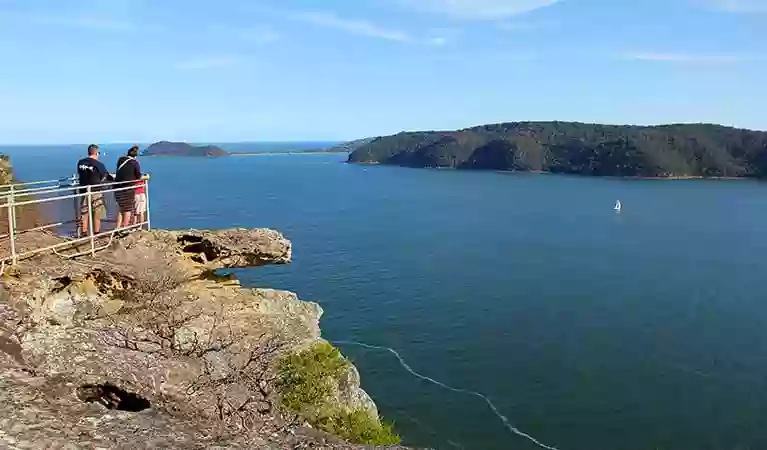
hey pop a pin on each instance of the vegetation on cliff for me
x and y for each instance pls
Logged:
(349, 146)
(307, 381)
(165, 148)
(684, 150)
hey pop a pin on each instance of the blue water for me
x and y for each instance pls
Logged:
(588, 330)
(265, 147)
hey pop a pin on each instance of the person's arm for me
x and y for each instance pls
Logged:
(104, 173)
(136, 170)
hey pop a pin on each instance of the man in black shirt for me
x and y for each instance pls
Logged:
(91, 172)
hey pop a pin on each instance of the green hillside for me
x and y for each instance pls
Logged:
(684, 150)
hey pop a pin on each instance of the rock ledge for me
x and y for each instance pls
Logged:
(146, 346)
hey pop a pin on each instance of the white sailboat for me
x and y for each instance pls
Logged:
(617, 206)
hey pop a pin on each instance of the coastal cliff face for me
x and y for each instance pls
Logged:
(146, 346)
(28, 216)
(6, 172)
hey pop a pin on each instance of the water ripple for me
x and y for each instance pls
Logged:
(492, 406)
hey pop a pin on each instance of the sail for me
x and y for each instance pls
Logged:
(617, 205)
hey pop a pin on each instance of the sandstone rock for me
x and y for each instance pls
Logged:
(198, 250)
(351, 396)
(148, 319)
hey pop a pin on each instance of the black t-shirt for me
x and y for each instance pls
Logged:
(92, 172)
(128, 169)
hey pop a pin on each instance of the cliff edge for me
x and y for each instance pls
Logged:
(147, 346)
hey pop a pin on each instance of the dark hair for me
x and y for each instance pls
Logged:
(133, 152)
(93, 149)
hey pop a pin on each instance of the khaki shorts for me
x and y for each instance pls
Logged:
(98, 207)
(140, 204)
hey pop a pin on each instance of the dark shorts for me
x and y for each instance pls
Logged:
(126, 200)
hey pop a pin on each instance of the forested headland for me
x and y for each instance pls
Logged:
(680, 150)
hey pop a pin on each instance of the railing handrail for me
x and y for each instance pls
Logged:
(12, 187)
(76, 195)
(51, 190)
(34, 183)
(59, 193)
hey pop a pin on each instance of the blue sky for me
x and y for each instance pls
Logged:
(75, 71)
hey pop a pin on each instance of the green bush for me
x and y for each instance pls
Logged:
(359, 426)
(306, 381)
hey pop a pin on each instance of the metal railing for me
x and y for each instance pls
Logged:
(59, 208)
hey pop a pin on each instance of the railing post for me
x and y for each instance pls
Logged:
(146, 193)
(12, 227)
(90, 221)
(13, 195)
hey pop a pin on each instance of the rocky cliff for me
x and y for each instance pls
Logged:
(147, 346)
(27, 216)
(6, 172)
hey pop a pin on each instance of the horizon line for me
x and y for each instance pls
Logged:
(59, 144)
(339, 141)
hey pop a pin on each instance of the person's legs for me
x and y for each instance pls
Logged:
(99, 212)
(83, 216)
(126, 204)
(123, 219)
(140, 208)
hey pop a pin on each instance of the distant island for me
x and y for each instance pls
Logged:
(165, 148)
(668, 151)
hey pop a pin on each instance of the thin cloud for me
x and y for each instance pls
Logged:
(207, 63)
(114, 16)
(683, 58)
(260, 36)
(515, 26)
(739, 6)
(93, 23)
(441, 37)
(439, 41)
(476, 9)
(83, 22)
(253, 35)
(356, 27)
(489, 58)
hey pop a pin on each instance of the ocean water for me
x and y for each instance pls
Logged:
(583, 328)
(265, 147)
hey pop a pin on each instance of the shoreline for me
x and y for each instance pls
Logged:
(686, 177)
(245, 154)
(544, 172)
(287, 153)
